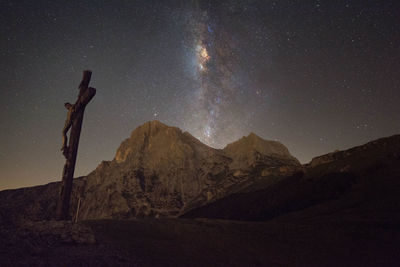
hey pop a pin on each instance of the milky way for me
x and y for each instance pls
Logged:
(212, 59)
(316, 75)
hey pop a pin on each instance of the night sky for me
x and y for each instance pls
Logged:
(315, 75)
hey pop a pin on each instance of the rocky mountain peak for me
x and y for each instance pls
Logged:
(254, 142)
(153, 128)
(251, 149)
(155, 172)
(253, 136)
(146, 136)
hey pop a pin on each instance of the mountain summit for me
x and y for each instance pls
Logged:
(154, 173)
(251, 150)
(154, 141)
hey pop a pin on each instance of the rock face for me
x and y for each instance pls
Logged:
(161, 171)
(252, 150)
(36, 203)
(154, 173)
(254, 162)
(358, 183)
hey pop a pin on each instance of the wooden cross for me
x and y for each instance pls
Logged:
(74, 121)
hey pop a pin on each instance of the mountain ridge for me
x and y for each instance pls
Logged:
(361, 178)
(161, 171)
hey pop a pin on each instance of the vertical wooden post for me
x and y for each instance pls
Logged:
(85, 95)
(77, 210)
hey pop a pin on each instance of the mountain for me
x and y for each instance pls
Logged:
(252, 150)
(357, 183)
(154, 173)
(343, 208)
(159, 171)
(254, 162)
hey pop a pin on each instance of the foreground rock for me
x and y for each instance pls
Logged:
(299, 240)
(58, 232)
(23, 241)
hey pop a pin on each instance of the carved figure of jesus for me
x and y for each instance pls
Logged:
(67, 126)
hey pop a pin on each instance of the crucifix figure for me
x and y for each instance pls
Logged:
(70, 149)
(67, 126)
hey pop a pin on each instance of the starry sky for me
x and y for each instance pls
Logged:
(315, 75)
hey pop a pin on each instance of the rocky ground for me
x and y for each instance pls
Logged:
(308, 241)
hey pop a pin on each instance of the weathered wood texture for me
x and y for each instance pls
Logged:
(85, 95)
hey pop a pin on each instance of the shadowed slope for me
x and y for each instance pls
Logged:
(366, 177)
